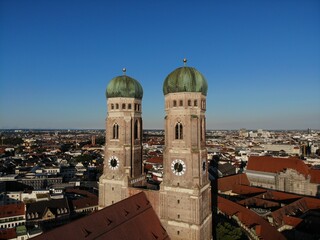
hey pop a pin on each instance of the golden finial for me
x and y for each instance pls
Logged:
(184, 61)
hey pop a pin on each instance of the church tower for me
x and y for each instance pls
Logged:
(185, 204)
(123, 149)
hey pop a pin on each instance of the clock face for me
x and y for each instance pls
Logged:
(178, 167)
(113, 162)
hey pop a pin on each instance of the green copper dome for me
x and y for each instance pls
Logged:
(124, 86)
(185, 79)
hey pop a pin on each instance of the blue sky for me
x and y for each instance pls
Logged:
(261, 59)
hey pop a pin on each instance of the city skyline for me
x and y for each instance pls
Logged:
(261, 60)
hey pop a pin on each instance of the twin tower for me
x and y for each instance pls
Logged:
(183, 202)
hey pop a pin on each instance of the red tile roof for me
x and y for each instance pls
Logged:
(258, 202)
(312, 203)
(12, 210)
(301, 205)
(292, 221)
(226, 183)
(131, 218)
(276, 165)
(247, 190)
(155, 160)
(279, 196)
(315, 176)
(87, 200)
(9, 233)
(251, 220)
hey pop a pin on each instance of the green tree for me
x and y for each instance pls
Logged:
(65, 147)
(225, 231)
(12, 141)
(84, 159)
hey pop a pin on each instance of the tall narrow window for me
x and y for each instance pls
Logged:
(179, 130)
(181, 103)
(123, 106)
(174, 103)
(195, 103)
(117, 106)
(115, 131)
(136, 129)
(112, 106)
(189, 102)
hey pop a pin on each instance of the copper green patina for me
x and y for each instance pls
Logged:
(124, 86)
(185, 79)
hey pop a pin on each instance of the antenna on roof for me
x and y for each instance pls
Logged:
(185, 61)
(124, 71)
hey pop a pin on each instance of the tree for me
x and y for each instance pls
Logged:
(65, 147)
(225, 231)
(100, 140)
(84, 159)
(12, 141)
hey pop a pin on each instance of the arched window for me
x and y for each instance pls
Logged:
(117, 106)
(174, 103)
(189, 102)
(179, 131)
(136, 129)
(129, 106)
(123, 106)
(112, 106)
(115, 131)
(195, 103)
(181, 103)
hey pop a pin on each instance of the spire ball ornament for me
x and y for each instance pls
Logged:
(185, 61)
(124, 70)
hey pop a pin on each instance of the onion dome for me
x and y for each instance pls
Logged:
(124, 86)
(185, 79)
